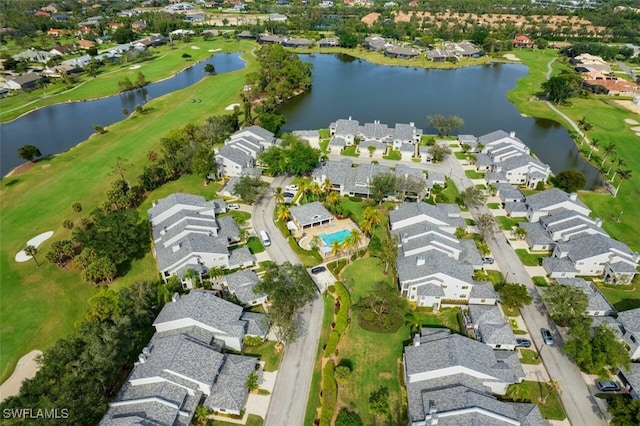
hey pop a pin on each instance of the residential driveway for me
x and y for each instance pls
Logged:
(291, 390)
(323, 279)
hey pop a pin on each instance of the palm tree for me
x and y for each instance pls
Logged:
(608, 150)
(32, 251)
(316, 190)
(216, 272)
(278, 194)
(621, 164)
(356, 238)
(372, 215)
(315, 241)
(623, 175)
(243, 233)
(303, 189)
(333, 198)
(336, 248)
(594, 145)
(552, 387)
(327, 187)
(366, 227)
(283, 213)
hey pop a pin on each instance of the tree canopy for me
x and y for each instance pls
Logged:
(472, 196)
(561, 87)
(29, 152)
(288, 288)
(250, 188)
(596, 350)
(295, 156)
(445, 125)
(382, 309)
(515, 296)
(567, 304)
(570, 180)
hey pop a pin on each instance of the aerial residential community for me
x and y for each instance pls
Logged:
(303, 212)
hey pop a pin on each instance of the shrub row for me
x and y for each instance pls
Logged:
(342, 317)
(329, 393)
(332, 343)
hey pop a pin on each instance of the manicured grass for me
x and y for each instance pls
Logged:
(493, 205)
(252, 420)
(307, 257)
(532, 392)
(393, 155)
(314, 392)
(166, 62)
(529, 357)
(472, 174)
(508, 223)
(540, 281)
(350, 151)
(460, 155)
(531, 259)
(445, 317)
(40, 305)
(255, 245)
(622, 297)
(267, 353)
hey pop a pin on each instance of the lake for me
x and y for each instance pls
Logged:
(57, 128)
(344, 86)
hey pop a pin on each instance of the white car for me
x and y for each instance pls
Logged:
(292, 188)
(233, 207)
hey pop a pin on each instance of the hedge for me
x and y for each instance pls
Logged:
(332, 343)
(342, 317)
(329, 394)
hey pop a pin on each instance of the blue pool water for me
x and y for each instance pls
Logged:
(339, 236)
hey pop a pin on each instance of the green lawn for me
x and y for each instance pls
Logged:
(540, 281)
(393, 155)
(622, 297)
(40, 305)
(267, 353)
(255, 245)
(508, 223)
(529, 357)
(531, 259)
(350, 151)
(493, 205)
(314, 392)
(472, 174)
(532, 392)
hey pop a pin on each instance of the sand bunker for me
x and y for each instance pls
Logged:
(511, 57)
(134, 67)
(195, 47)
(637, 133)
(636, 129)
(630, 121)
(26, 368)
(213, 50)
(21, 256)
(231, 107)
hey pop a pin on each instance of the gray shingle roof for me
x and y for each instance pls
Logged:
(536, 235)
(436, 262)
(204, 307)
(588, 246)
(406, 132)
(241, 284)
(241, 257)
(375, 130)
(188, 247)
(633, 376)
(229, 391)
(482, 290)
(346, 127)
(509, 192)
(611, 322)
(631, 321)
(495, 136)
(438, 215)
(311, 213)
(551, 197)
(257, 323)
(262, 133)
(558, 265)
(235, 155)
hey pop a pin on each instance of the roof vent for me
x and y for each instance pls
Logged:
(146, 350)
(512, 134)
(142, 358)
(573, 196)
(175, 297)
(175, 248)
(598, 222)
(420, 261)
(416, 340)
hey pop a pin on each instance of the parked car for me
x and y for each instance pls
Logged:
(292, 188)
(547, 337)
(523, 343)
(233, 206)
(488, 260)
(288, 195)
(608, 386)
(318, 269)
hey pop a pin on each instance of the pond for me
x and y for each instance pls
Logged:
(344, 86)
(57, 128)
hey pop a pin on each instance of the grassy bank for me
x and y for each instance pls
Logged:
(41, 305)
(166, 62)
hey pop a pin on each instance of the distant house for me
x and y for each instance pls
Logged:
(270, 39)
(377, 43)
(311, 136)
(329, 42)
(522, 40)
(277, 17)
(297, 42)
(401, 52)
(33, 55)
(246, 35)
(241, 150)
(598, 305)
(86, 44)
(630, 321)
(27, 81)
(491, 328)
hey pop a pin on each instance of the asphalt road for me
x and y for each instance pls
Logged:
(579, 404)
(291, 391)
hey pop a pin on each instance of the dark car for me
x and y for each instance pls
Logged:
(488, 260)
(523, 343)
(288, 195)
(547, 337)
(608, 386)
(318, 269)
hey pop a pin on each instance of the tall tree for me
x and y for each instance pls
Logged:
(515, 296)
(288, 288)
(382, 185)
(566, 304)
(487, 226)
(32, 251)
(439, 152)
(473, 196)
(571, 180)
(250, 188)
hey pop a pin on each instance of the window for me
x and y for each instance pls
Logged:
(465, 287)
(483, 300)
(633, 339)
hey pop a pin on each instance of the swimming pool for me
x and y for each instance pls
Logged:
(339, 236)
